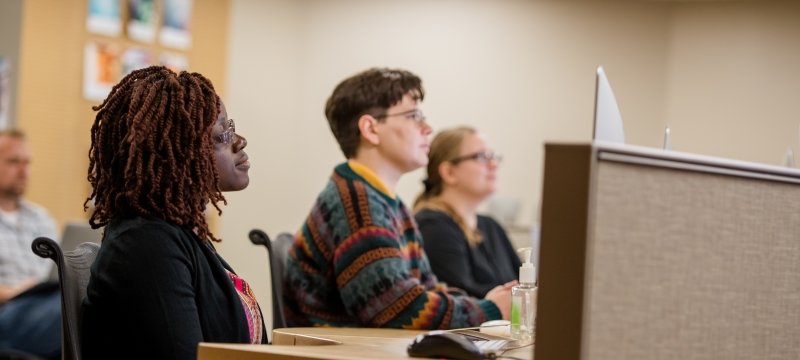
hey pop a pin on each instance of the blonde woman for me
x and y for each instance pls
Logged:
(465, 250)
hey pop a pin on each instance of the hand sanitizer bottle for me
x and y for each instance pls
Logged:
(523, 300)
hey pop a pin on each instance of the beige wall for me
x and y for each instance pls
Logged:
(263, 97)
(734, 79)
(722, 74)
(520, 71)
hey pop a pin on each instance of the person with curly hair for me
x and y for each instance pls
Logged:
(163, 150)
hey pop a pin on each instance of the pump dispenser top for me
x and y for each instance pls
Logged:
(527, 272)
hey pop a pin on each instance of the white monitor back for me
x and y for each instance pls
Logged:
(607, 119)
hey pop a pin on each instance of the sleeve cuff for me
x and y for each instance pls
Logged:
(490, 309)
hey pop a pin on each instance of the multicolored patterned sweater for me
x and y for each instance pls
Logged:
(358, 261)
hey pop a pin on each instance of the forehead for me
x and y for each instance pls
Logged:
(12, 144)
(474, 142)
(223, 113)
(222, 120)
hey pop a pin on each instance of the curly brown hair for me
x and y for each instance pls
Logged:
(152, 152)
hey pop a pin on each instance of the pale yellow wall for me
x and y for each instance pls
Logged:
(51, 108)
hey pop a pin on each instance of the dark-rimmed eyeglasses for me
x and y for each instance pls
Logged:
(415, 115)
(229, 135)
(483, 157)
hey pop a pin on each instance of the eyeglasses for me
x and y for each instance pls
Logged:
(415, 115)
(483, 157)
(229, 135)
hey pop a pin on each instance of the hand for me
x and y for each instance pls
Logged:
(501, 296)
(7, 292)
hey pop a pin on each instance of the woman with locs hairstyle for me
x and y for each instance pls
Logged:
(163, 150)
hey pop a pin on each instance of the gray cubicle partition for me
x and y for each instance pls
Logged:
(650, 254)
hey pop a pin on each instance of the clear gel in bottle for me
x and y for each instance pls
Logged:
(523, 300)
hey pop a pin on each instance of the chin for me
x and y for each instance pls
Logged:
(243, 186)
(238, 186)
(487, 193)
(411, 166)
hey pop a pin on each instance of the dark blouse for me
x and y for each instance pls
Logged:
(475, 269)
(155, 292)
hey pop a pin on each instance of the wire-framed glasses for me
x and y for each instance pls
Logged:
(229, 135)
(415, 115)
(483, 157)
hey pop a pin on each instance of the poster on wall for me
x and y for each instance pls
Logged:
(175, 19)
(101, 70)
(5, 93)
(136, 58)
(104, 17)
(142, 22)
(175, 62)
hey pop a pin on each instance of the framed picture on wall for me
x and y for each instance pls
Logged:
(142, 20)
(5, 93)
(101, 69)
(136, 58)
(175, 21)
(176, 62)
(104, 17)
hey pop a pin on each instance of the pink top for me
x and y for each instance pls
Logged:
(251, 309)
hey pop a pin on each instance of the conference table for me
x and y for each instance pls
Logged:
(328, 344)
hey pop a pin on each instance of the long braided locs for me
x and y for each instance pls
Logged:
(152, 152)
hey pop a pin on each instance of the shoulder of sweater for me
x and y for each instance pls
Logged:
(145, 226)
(350, 178)
(345, 173)
(147, 241)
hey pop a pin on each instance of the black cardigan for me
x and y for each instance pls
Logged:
(155, 292)
(474, 269)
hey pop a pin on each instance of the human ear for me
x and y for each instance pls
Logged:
(367, 125)
(447, 173)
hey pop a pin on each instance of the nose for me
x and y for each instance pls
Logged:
(494, 161)
(426, 127)
(240, 143)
